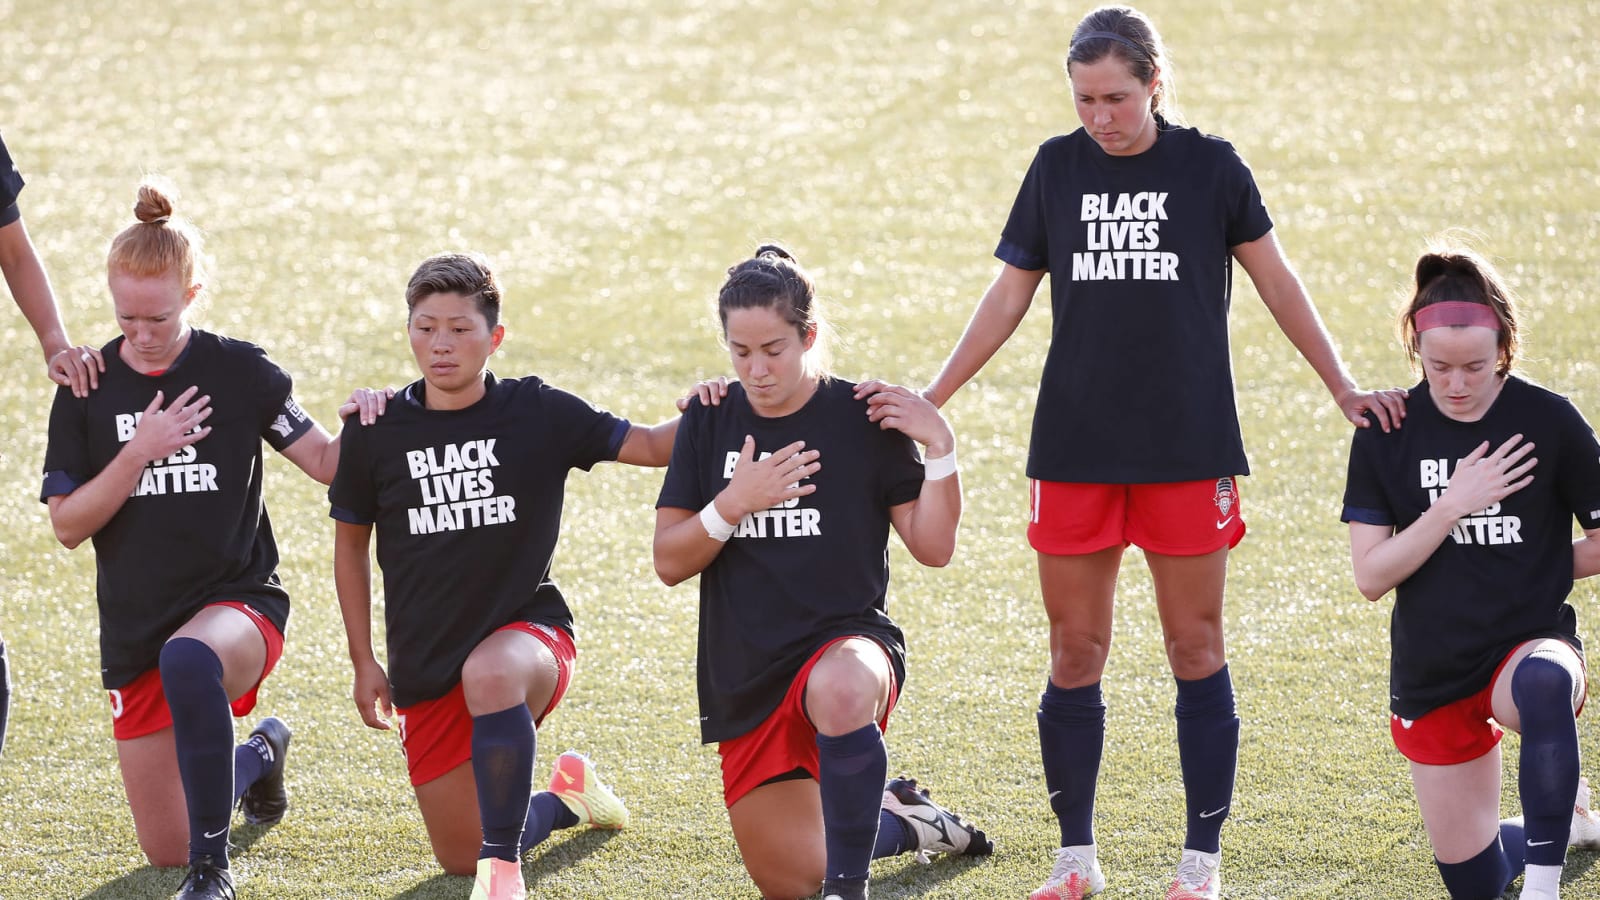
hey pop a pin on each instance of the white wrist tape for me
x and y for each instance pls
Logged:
(717, 528)
(939, 467)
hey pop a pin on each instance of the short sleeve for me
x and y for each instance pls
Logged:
(680, 488)
(592, 435)
(1578, 473)
(10, 186)
(353, 495)
(1247, 213)
(903, 472)
(282, 420)
(1364, 497)
(1024, 242)
(66, 455)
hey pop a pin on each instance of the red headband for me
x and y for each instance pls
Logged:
(1455, 312)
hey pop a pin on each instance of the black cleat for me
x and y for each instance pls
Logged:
(206, 882)
(264, 802)
(938, 830)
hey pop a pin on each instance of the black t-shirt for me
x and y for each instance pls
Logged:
(10, 187)
(1503, 576)
(195, 530)
(466, 505)
(1137, 384)
(796, 576)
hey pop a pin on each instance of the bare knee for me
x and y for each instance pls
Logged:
(786, 882)
(456, 861)
(1195, 657)
(165, 853)
(840, 702)
(490, 687)
(1076, 659)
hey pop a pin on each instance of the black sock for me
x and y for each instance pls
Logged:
(502, 765)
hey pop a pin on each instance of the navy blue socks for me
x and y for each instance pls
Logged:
(1208, 753)
(1072, 736)
(894, 836)
(502, 765)
(202, 729)
(1547, 774)
(546, 813)
(1483, 877)
(851, 769)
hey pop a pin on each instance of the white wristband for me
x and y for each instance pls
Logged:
(717, 528)
(939, 468)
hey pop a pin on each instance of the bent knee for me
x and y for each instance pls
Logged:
(457, 862)
(786, 883)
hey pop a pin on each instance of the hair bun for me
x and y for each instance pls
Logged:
(155, 202)
(774, 250)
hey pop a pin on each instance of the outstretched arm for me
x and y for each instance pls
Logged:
(1383, 557)
(76, 367)
(316, 452)
(649, 446)
(992, 324)
(1285, 296)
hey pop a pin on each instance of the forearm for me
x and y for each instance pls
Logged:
(29, 284)
(80, 515)
(994, 321)
(1385, 565)
(934, 519)
(683, 548)
(352, 578)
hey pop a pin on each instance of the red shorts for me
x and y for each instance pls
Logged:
(1181, 518)
(784, 742)
(1457, 732)
(436, 734)
(139, 707)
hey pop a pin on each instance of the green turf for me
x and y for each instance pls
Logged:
(614, 158)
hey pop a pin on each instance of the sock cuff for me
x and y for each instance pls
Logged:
(192, 656)
(1206, 696)
(1079, 704)
(510, 717)
(851, 743)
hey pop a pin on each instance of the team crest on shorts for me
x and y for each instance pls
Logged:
(1226, 497)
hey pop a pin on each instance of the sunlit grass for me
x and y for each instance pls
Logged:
(613, 159)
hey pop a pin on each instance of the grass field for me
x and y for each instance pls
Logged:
(614, 158)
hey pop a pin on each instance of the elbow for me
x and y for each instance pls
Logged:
(1370, 590)
(669, 574)
(68, 539)
(937, 556)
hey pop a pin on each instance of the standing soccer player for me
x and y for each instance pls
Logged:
(1138, 221)
(161, 468)
(781, 496)
(463, 479)
(1466, 515)
(76, 367)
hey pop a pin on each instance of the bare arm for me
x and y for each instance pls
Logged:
(1285, 297)
(80, 515)
(1383, 557)
(992, 324)
(352, 578)
(316, 452)
(649, 446)
(29, 284)
(683, 548)
(1586, 554)
(926, 525)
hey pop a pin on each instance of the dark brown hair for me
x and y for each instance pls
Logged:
(467, 274)
(1140, 46)
(1451, 272)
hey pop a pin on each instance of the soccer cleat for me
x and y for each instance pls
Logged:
(1585, 833)
(1199, 877)
(938, 830)
(1072, 878)
(575, 782)
(264, 802)
(206, 881)
(498, 879)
